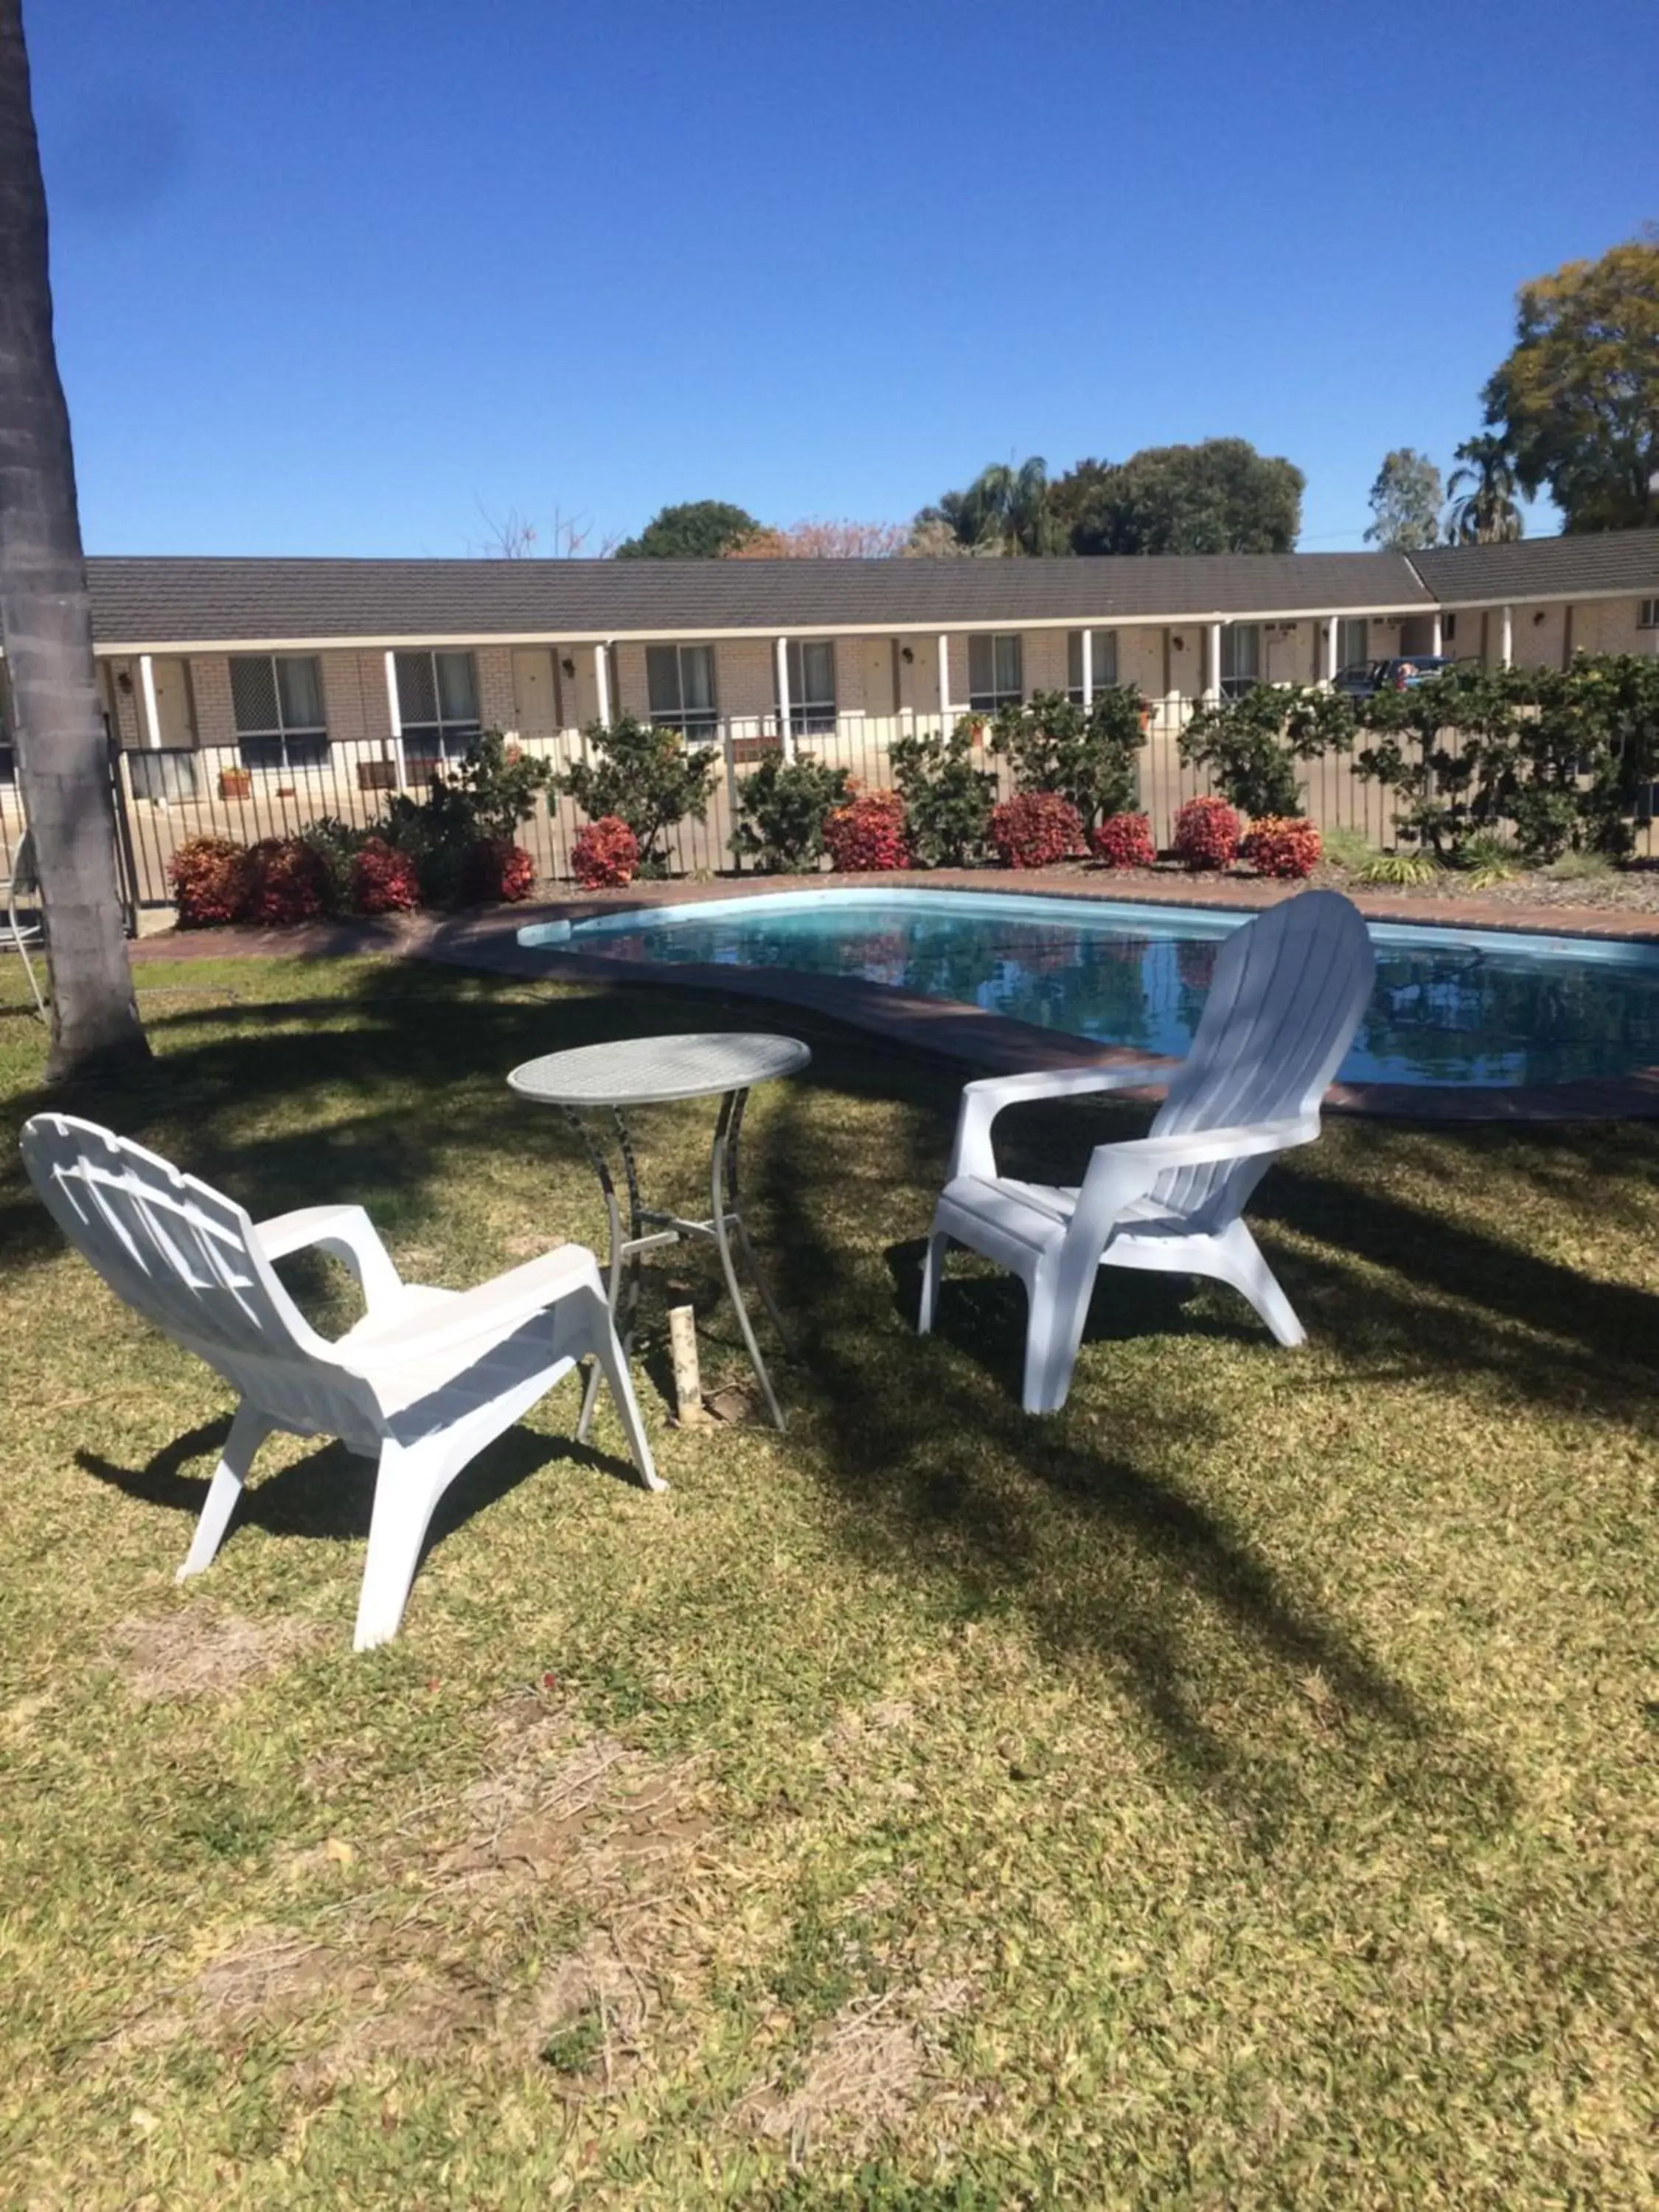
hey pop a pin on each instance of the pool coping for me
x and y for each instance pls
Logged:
(990, 1043)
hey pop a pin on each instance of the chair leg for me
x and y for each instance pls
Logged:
(932, 1269)
(612, 1362)
(1250, 1275)
(1054, 1331)
(247, 1432)
(407, 1488)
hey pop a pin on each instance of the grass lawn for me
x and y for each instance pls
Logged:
(1238, 1791)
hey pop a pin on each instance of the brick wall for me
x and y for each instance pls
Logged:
(216, 716)
(497, 707)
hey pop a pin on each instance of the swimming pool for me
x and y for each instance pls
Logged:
(1451, 1005)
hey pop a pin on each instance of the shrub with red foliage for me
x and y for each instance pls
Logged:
(1036, 830)
(1285, 845)
(1206, 833)
(497, 870)
(1124, 841)
(384, 880)
(867, 836)
(288, 881)
(606, 854)
(208, 877)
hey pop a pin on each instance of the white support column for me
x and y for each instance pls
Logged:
(395, 713)
(1331, 634)
(152, 712)
(1434, 639)
(1212, 663)
(944, 679)
(602, 681)
(1088, 668)
(1506, 637)
(786, 730)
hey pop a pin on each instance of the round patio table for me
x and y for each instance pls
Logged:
(595, 1080)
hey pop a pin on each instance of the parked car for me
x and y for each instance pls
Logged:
(1365, 678)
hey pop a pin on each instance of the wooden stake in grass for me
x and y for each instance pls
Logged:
(687, 1381)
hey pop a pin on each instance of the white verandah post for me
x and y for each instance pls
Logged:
(944, 682)
(602, 681)
(1506, 638)
(395, 716)
(1331, 634)
(1088, 668)
(785, 729)
(1435, 644)
(152, 711)
(1212, 669)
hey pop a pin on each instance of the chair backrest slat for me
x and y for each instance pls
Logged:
(1288, 991)
(185, 1256)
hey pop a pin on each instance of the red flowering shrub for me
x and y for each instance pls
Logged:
(1036, 830)
(384, 880)
(1207, 833)
(1124, 841)
(607, 853)
(208, 877)
(496, 870)
(867, 836)
(1281, 845)
(288, 881)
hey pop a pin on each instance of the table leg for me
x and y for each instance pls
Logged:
(721, 1194)
(615, 1261)
(744, 1245)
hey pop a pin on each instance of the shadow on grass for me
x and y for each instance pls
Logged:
(330, 1493)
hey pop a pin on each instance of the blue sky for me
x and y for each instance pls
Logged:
(334, 279)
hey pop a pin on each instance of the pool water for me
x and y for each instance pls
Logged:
(1451, 1005)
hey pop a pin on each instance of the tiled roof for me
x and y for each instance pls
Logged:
(162, 601)
(1543, 567)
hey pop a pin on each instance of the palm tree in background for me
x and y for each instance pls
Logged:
(1483, 510)
(1005, 510)
(46, 625)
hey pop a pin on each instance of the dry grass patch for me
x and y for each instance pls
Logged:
(198, 1651)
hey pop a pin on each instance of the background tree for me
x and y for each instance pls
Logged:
(825, 541)
(1577, 398)
(515, 536)
(1483, 511)
(1219, 496)
(1004, 511)
(696, 530)
(45, 624)
(1405, 501)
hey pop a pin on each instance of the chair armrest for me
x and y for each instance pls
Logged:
(483, 1315)
(345, 1230)
(985, 1098)
(1198, 1147)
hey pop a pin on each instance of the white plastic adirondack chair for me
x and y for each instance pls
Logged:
(1289, 990)
(422, 1382)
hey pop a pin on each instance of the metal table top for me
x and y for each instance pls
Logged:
(650, 1071)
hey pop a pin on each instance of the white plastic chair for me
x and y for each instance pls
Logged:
(22, 888)
(1289, 990)
(422, 1383)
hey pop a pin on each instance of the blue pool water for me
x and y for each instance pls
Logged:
(1451, 1005)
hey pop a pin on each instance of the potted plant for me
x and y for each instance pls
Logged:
(235, 783)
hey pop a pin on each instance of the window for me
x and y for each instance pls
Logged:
(7, 752)
(1647, 615)
(437, 704)
(1102, 662)
(680, 679)
(1447, 629)
(811, 686)
(996, 672)
(276, 700)
(1241, 657)
(1353, 641)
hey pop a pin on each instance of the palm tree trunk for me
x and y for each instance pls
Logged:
(45, 624)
